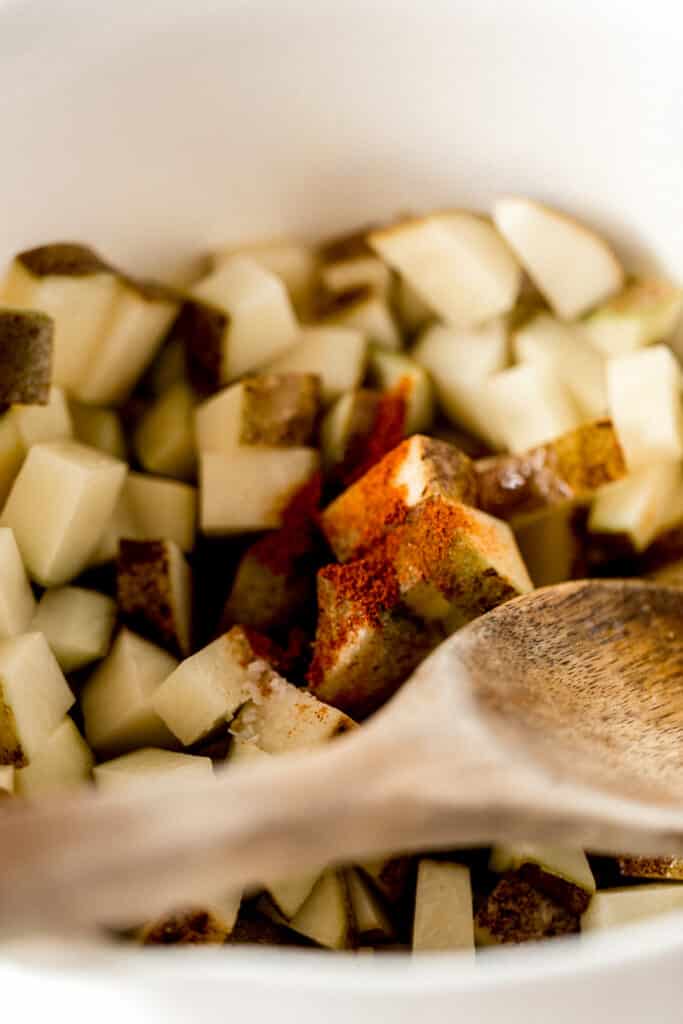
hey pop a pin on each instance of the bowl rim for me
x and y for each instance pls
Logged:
(549, 962)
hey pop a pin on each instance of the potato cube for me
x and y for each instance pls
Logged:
(459, 363)
(443, 907)
(335, 354)
(417, 469)
(164, 439)
(644, 392)
(25, 356)
(617, 907)
(457, 262)
(207, 688)
(209, 925)
(341, 276)
(565, 348)
(391, 371)
(17, 604)
(64, 763)
(154, 592)
(645, 312)
(529, 406)
(279, 717)
(362, 309)
(34, 698)
(117, 699)
(241, 320)
(561, 872)
(37, 424)
(573, 267)
(325, 916)
(59, 506)
(77, 624)
(294, 263)
(517, 912)
(371, 923)
(568, 469)
(670, 868)
(162, 769)
(141, 316)
(150, 508)
(98, 428)
(74, 286)
(637, 507)
(249, 489)
(379, 616)
(276, 410)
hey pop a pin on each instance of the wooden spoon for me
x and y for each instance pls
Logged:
(558, 717)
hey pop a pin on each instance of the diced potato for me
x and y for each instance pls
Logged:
(79, 487)
(669, 868)
(12, 452)
(143, 313)
(391, 371)
(412, 311)
(249, 489)
(154, 592)
(459, 363)
(17, 604)
(168, 368)
(565, 349)
(65, 762)
(529, 406)
(325, 917)
(208, 925)
(149, 508)
(637, 507)
(77, 289)
(150, 767)
(337, 355)
(207, 688)
(117, 699)
(457, 262)
(37, 424)
(363, 310)
(550, 547)
(98, 428)
(34, 698)
(278, 410)
(294, 263)
(443, 907)
(242, 319)
(417, 469)
(516, 911)
(164, 439)
(280, 717)
(616, 907)
(644, 393)
(645, 312)
(76, 623)
(346, 424)
(345, 275)
(244, 751)
(371, 922)
(275, 580)
(389, 875)
(574, 268)
(7, 776)
(26, 340)
(569, 469)
(447, 564)
(562, 872)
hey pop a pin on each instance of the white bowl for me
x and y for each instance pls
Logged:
(154, 129)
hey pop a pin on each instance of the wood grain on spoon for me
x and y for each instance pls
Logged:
(557, 717)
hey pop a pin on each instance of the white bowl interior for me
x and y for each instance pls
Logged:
(154, 130)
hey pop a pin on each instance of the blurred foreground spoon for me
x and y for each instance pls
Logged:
(557, 717)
